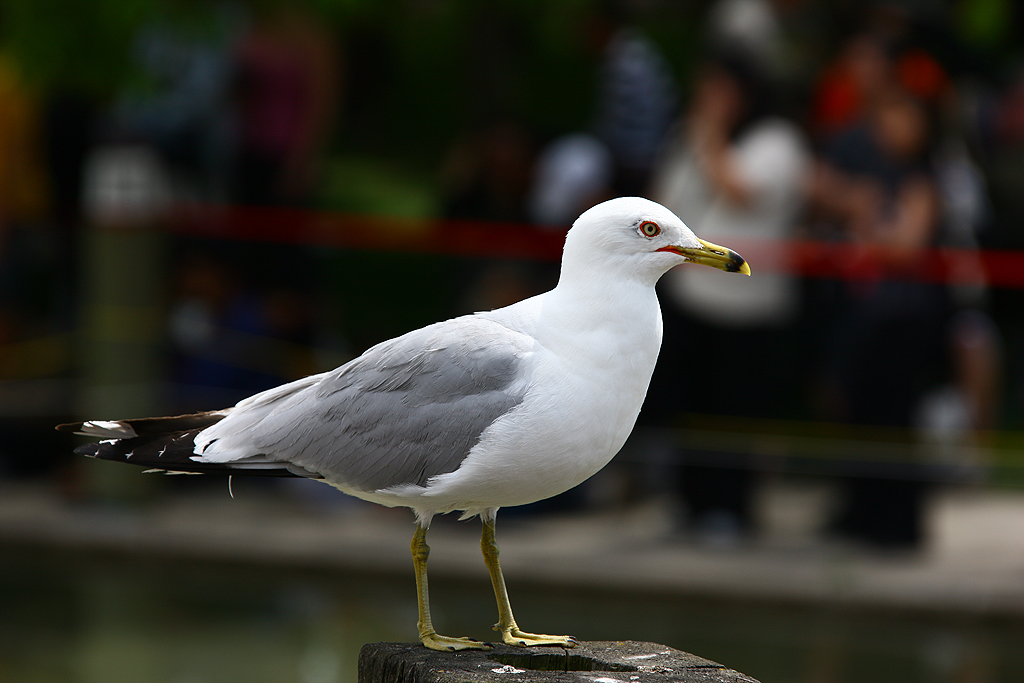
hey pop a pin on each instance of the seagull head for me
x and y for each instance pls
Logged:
(641, 239)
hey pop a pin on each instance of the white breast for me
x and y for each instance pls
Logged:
(586, 390)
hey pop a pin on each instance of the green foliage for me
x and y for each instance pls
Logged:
(68, 42)
(414, 74)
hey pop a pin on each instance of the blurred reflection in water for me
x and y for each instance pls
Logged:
(111, 619)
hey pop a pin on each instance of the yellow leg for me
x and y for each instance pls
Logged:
(428, 636)
(506, 625)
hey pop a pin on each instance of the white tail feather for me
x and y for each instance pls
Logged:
(107, 429)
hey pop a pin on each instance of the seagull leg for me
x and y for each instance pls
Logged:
(428, 636)
(506, 625)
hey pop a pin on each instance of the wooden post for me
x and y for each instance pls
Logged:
(123, 259)
(590, 662)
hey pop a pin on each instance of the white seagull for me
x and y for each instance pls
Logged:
(473, 414)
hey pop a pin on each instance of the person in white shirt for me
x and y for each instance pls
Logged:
(739, 174)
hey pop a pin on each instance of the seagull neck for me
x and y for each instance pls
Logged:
(607, 304)
(608, 284)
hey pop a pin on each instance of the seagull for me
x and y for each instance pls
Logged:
(472, 414)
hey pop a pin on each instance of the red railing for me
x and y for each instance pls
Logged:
(517, 241)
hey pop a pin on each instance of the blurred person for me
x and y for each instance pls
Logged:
(286, 88)
(286, 91)
(572, 173)
(890, 346)
(784, 36)
(736, 171)
(182, 110)
(871, 61)
(787, 38)
(897, 180)
(637, 96)
(861, 70)
(754, 24)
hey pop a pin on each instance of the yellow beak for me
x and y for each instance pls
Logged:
(708, 254)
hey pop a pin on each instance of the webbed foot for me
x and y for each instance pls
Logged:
(514, 636)
(448, 644)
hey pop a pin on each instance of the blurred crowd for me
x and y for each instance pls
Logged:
(891, 136)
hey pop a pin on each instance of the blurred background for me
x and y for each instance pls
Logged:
(201, 200)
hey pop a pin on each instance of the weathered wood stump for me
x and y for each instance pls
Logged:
(593, 662)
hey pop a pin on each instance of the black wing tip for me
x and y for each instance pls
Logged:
(173, 454)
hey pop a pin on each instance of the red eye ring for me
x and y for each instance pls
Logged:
(649, 229)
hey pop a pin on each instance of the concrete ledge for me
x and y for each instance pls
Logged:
(973, 566)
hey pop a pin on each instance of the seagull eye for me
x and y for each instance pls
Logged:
(650, 229)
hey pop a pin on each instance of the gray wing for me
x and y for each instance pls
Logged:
(403, 412)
